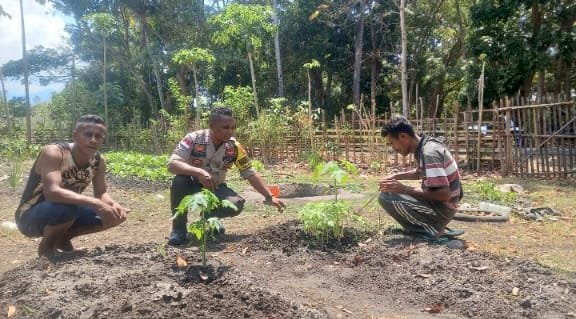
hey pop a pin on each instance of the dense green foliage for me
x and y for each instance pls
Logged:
(137, 165)
(161, 55)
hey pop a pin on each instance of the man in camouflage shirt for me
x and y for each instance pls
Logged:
(201, 160)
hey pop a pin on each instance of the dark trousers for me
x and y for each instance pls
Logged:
(184, 185)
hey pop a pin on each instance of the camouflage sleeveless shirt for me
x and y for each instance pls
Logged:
(74, 178)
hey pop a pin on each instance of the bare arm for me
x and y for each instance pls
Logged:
(49, 170)
(260, 186)
(101, 190)
(441, 194)
(413, 174)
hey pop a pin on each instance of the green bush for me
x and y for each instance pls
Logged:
(137, 165)
(487, 191)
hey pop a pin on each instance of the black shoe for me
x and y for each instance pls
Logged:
(177, 237)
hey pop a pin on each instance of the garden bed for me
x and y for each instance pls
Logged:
(280, 272)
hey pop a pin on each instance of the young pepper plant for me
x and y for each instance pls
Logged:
(203, 202)
(325, 220)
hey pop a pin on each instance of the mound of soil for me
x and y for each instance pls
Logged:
(397, 274)
(138, 282)
(280, 272)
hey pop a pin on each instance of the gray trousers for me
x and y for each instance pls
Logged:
(417, 216)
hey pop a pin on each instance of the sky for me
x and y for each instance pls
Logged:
(44, 26)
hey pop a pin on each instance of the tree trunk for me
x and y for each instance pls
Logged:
(375, 66)
(26, 74)
(196, 95)
(253, 76)
(358, 43)
(279, 72)
(310, 120)
(5, 102)
(405, 107)
(155, 69)
(104, 86)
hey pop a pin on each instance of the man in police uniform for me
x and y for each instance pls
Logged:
(201, 160)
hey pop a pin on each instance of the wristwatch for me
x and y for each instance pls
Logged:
(268, 198)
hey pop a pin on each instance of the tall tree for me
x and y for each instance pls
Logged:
(247, 27)
(277, 51)
(5, 102)
(103, 26)
(26, 74)
(403, 62)
(192, 58)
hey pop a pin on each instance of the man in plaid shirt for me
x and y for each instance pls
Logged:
(423, 211)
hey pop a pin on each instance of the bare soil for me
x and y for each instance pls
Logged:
(266, 267)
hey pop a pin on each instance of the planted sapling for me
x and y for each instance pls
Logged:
(325, 220)
(203, 202)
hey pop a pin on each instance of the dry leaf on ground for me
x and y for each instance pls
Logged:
(11, 311)
(181, 261)
(515, 291)
(437, 308)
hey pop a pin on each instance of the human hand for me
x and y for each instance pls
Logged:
(392, 186)
(120, 211)
(206, 180)
(280, 205)
(110, 212)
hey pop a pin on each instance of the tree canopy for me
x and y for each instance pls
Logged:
(161, 54)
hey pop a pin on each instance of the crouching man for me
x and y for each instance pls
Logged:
(52, 205)
(424, 211)
(201, 160)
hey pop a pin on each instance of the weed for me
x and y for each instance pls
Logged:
(161, 250)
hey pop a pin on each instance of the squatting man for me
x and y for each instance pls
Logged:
(201, 160)
(424, 211)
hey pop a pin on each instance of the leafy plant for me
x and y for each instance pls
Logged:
(337, 172)
(203, 202)
(375, 166)
(142, 166)
(487, 191)
(271, 126)
(313, 159)
(15, 152)
(325, 220)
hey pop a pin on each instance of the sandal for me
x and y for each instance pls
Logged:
(448, 232)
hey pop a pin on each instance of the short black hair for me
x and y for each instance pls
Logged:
(396, 126)
(219, 112)
(89, 119)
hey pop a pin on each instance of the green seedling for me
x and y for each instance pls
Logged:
(203, 202)
(487, 191)
(325, 220)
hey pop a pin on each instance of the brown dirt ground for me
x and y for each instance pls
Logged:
(265, 267)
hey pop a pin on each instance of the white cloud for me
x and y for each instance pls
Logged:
(44, 26)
